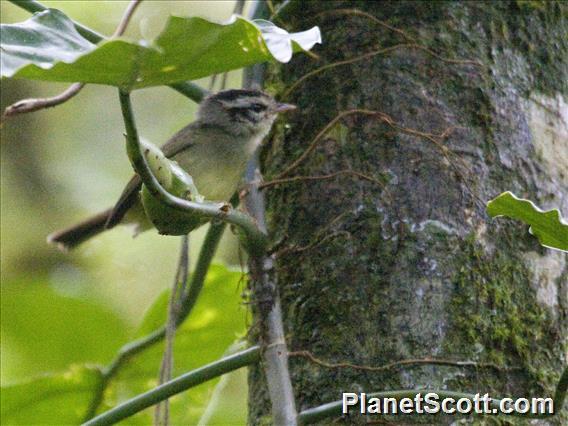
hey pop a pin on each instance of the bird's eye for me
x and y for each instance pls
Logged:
(257, 107)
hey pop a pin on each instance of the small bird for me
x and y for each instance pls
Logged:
(214, 150)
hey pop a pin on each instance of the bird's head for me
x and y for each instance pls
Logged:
(241, 112)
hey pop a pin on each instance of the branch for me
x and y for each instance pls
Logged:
(190, 90)
(275, 354)
(255, 240)
(177, 385)
(34, 104)
(367, 15)
(334, 409)
(265, 291)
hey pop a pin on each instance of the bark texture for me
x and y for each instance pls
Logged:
(415, 269)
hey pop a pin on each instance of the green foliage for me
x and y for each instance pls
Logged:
(216, 322)
(56, 399)
(44, 330)
(51, 326)
(48, 47)
(547, 226)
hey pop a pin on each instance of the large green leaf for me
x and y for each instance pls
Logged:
(58, 399)
(547, 226)
(47, 47)
(45, 330)
(217, 320)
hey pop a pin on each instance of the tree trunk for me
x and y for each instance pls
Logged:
(408, 265)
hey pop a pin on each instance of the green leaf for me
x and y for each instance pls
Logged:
(548, 226)
(57, 399)
(217, 320)
(46, 330)
(48, 47)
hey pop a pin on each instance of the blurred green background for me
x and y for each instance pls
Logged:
(63, 164)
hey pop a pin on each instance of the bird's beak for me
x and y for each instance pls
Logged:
(284, 107)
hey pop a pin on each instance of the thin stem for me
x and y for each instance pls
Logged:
(188, 89)
(401, 363)
(34, 104)
(130, 9)
(198, 277)
(273, 341)
(255, 240)
(265, 292)
(124, 354)
(177, 385)
(162, 412)
(375, 53)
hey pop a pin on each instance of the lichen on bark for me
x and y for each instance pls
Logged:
(417, 269)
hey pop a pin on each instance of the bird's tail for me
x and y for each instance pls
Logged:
(68, 238)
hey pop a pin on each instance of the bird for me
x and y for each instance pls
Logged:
(214, 150)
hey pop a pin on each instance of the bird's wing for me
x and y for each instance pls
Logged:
(180, 141)
(177, 143)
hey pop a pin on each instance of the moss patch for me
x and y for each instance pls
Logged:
(497, 319)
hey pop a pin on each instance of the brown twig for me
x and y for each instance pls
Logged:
(436, 139)
(313, 244)
(375, 53)
(367, 15)
(319, 136)
(414, 43)
(401, 363)
(35, 104)
(359, 175)
(321, 177)
(337, 64)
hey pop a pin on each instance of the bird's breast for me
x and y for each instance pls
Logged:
(216, 167)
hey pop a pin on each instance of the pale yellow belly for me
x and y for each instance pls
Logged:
(217, 177)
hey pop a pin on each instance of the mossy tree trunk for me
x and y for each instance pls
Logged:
(372, 274)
